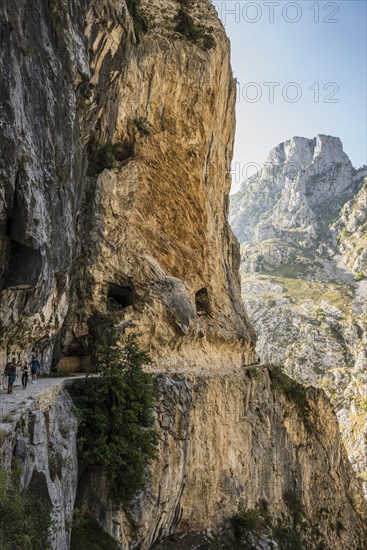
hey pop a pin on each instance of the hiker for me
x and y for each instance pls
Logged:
(35, 367)
(25, 374)
(11, 373)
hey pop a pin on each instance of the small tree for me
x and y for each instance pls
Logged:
(116, 419)
(140, 20)
(25, 519)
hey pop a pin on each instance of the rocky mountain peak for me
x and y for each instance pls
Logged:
(304, 151)
(116, 134)
(301, 187)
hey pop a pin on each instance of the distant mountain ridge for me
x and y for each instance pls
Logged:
(300, 190)
(302, 225)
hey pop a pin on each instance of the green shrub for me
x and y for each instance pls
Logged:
(359, 277)
(115, 412)
(186, 26)
(295, 541)
(287, 538)
(88, 535)
(288, 535)
(294, 391)
(295, 505)
(25, 519)
(106, 156)
(140, 20)
(263, 507)
(245, 521)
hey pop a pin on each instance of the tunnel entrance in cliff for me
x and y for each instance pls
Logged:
(120, 297)
(202, 302)
(25, 266)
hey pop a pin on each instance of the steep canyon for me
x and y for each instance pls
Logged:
(117, 128)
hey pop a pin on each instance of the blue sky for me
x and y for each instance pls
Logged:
(323, 49)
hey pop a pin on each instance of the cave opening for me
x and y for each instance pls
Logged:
(202, 302)
(121, 296)
(25, 266)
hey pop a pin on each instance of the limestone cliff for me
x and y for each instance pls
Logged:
(236, 438)
(351, 232)
(38, 441)
(115, 181)
(301, 222)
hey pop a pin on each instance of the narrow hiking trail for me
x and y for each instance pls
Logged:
(14, 404)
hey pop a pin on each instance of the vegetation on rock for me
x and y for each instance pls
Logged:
(186, 26)
(88, 535)
(106, 156)
(25, 518)
(115, 412)
(294, 391)
(140, 20)
(286, 530)
(247, 520)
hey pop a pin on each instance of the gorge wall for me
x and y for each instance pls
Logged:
(230, 439)
(38, 443)
(116, 149)
(85, 93)
(226, 440)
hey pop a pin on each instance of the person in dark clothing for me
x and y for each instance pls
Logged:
(35, 367)
(25, 374)
(11, 373)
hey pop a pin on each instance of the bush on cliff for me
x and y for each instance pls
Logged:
(88, 535)
(140, 20)
(186, 26)
(25, 519)
(246, 521)
(294, 391)
(107, 155)
(115, 413)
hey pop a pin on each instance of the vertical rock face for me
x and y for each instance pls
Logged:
(40, 167)
(148, 233)
(233, 438)
(159, 231)
(351, 232)
(302, 224)
(40, 437)
(301, 187)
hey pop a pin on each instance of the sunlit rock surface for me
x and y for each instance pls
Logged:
(149, 233)
(230, 438)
